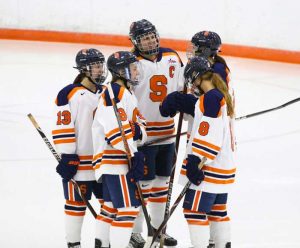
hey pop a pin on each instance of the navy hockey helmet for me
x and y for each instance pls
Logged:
(206, 43)
(144, 37)
(92, 63)
(196, 67)
(119, 64)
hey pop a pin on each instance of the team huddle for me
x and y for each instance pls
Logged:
(103, 132)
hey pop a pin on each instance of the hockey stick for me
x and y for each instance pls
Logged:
(163, 139)
(167, 209)
(56, 155)
(128, 153)
(177, 201)
(152, 142)
(268, 110)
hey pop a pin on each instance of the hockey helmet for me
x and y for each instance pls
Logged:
(206, 43)
(144, 36)
(124, 65)
(196, 67)
(92, 63)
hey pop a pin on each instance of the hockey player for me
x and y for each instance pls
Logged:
(205, 201)
(121, 201)
(162, 74)
(72, 136)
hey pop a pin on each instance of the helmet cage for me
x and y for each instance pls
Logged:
(147, 43)
(100, 75)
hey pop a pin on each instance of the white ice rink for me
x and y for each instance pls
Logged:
(264, 205)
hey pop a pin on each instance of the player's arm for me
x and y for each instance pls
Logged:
(64, 138)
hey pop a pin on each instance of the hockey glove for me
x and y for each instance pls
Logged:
(136, 172)
(168, 106)
(193, 173)
(68, 165)
(177, 101)
(136, 130)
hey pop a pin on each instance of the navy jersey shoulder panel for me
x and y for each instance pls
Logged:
(220, 69)
(62, 97)
(163, 50)
(212, 103)
(116, 89)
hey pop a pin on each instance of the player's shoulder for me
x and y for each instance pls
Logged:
(119, 93)
(211, 103)
(170, 54)
(68, 92)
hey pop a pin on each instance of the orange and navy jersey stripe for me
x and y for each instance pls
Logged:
(218, 176)
(158, 194)
(214, 175)
(75, 208)
(195, 217)
(160, 128)
(114, 136)
(63, 136)
(218, 213)
(204, 148)
(110, 157)
(125, 219)
(183, 167)
(85, 162)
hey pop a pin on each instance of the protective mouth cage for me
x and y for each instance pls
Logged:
(148, 43)
(97, 72)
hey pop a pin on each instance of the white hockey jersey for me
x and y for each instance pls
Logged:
(72, 134)
(212, 138)
(159, 78)
(109, 151)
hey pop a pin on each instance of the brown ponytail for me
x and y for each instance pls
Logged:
(218, 82)
(79, 78)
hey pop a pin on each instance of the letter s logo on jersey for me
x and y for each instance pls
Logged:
(171, 71)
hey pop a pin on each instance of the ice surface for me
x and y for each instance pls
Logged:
(264, 205)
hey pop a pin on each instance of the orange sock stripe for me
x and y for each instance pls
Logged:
(74, 213)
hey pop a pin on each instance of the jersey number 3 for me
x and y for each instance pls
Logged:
(158, 86)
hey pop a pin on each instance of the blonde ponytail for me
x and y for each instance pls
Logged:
(218, 82)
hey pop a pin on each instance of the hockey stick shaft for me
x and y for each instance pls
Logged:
(171, 181)
(177, 201)
(58, 158)
(152, 142)
(128, 153)
(268, 110)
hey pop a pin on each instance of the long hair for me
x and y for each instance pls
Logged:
(218, 82)
(79, 78)
(220, 59)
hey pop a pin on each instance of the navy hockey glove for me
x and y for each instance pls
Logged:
(136, 172)
(68, 165)
(177, 101)
(193, 173)
(136, 130)
(168, 106)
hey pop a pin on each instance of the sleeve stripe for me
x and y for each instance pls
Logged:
(205, 149)
(202, 153)
(62, 141)
(63, 136)
(202, 142)
(66, 130)
(117, 130)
